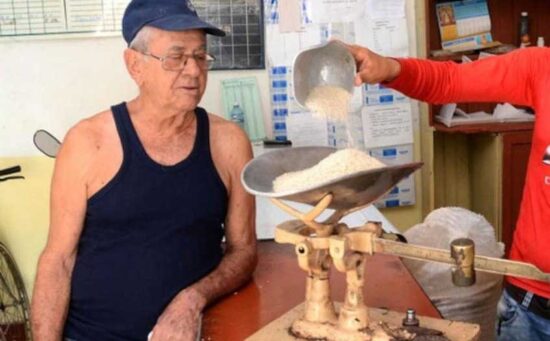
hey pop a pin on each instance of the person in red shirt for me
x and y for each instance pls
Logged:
(520, 77)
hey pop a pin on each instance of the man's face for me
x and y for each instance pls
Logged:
(180, 90)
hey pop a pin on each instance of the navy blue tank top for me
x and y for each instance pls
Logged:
(149, 233)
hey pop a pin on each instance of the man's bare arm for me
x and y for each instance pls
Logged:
(67, 208)
(180, 318)
(240, 256)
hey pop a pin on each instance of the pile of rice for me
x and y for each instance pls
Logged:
(329, 101)
(337, 164)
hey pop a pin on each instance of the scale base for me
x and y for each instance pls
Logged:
(279, 329)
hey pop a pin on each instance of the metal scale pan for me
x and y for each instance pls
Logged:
(349, 191)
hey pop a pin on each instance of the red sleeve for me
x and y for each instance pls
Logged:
(506, 78)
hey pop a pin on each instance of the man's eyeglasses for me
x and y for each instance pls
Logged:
(178, 61)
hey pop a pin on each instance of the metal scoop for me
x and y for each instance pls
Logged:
(329, 64)
(349, 191)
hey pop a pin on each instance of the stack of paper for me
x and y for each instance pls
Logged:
(452, 116)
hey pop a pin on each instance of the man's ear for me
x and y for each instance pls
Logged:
(134, 65)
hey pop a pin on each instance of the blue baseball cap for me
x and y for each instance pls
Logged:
(168, 15)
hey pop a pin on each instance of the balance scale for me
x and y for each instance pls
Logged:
(319, 245)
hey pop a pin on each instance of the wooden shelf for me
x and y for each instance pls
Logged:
(484, 128)
(456, 57)
(472, 55)
(505, 16)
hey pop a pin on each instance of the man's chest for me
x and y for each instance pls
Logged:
(169, 151)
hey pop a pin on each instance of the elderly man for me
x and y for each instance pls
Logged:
(142, 195)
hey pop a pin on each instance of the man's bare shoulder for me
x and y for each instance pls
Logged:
(225, 132)
(231, 148)
(87, 136)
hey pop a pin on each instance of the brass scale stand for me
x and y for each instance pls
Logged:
(318, 245)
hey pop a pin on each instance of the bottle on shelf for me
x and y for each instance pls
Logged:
(237, 115)
(525, 40)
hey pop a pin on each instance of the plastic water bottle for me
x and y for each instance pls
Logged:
(237, 115)
(524, 30)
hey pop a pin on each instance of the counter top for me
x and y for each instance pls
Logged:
(278, 285)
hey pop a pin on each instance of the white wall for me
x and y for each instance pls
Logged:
(51, 84)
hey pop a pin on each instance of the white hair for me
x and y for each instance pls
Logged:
(141, 39)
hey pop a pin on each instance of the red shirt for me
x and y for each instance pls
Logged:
(519, 77)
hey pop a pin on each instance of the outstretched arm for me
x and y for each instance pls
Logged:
(507, 78)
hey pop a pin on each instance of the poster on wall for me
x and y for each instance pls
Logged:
(379, 119)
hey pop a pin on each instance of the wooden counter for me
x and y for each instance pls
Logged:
(279, 284)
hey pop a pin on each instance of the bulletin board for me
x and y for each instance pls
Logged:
(242, 48)
(380, 120)
(60, 18)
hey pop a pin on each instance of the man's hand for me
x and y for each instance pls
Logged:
(373, 68)
(180, 319)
